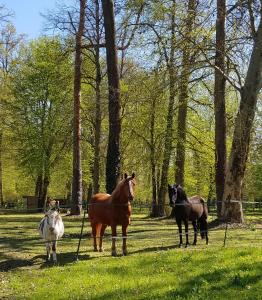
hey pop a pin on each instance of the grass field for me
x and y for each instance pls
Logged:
(154, 268)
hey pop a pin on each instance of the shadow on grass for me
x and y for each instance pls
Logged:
(40, 260)
(154, 249)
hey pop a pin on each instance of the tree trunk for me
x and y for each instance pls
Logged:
(44, 190)
(154, 211)
(1, 171)
(38, 192)
(219, 105)
(169, 126)
(232, 210)
(113, 149)
(183, 98)
(77, 169)
(96, 171)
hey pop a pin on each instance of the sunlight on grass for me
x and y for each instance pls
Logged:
(154, 269)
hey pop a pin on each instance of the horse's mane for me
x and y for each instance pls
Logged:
(181, 194)
(117, 191)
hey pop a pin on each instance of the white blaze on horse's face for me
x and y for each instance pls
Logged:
(52, 217)
(131, 189)
(174, 195)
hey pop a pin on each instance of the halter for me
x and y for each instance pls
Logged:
(173, 198)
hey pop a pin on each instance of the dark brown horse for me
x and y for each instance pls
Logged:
(184, 210)
(112, 210)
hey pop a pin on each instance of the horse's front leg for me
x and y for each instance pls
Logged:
(186, 230)
(124, 236)
(179, 224)
(114, 236)
(48, 250)
(54, 251)
(194, 223)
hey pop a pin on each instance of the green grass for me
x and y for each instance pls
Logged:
(154, 269)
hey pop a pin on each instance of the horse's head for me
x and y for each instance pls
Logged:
(53, 217)
(129, 183)
(176, 194)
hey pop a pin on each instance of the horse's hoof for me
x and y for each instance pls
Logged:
(125, 253)
(194, 244)
(95, 250)
(180, 245)
(101, 249)
(187, 245)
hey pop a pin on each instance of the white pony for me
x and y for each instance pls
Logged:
(51, 228)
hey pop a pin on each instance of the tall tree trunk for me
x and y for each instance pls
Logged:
(113, 149)
(183, 98)
(38, 192)
(219, 105)
(96, 171)
(1, 170)
(231, 210)
(45, 189)
(77, 169)
(169, 125)
(154, 211)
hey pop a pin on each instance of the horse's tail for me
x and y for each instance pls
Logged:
(202, 227)
(203, 220)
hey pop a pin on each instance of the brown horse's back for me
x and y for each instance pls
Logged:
(198, 207)
(99, 210)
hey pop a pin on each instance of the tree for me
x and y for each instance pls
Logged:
(183, 94)
(77, 170)
(40, 111)
(219, 105)
(113, 150)
(231, 207)
(9, 42)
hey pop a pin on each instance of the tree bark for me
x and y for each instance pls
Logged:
(96, 171)
(113, 149)
(38, 192)
(77, 169)
(169, 125)
(183, 98)
(219, 105)
(231, 208)
(154, 210)
(1, 170)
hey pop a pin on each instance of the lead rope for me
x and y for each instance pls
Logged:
(81, 233)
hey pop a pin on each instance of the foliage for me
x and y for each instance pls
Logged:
(41, 108)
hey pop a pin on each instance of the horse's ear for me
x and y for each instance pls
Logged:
(125, 176)
(133, 175)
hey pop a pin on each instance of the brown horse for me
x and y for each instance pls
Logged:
(193, 209)
(112, 210)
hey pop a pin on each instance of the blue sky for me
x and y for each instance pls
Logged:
(27, 17)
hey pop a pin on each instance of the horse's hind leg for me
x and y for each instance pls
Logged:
(124, 236)
(194, 223)
(186, 230)
(206, 231)
(94, 225)
(179, 224)
(102, 231)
